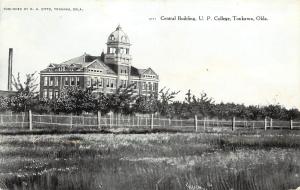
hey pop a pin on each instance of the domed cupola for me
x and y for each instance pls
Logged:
(118, 46)
(118, 36)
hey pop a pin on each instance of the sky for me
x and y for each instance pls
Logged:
(249, 62)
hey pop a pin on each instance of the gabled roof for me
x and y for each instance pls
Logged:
(89, 61)
(97, 64)
(147, 71)
(135, 71)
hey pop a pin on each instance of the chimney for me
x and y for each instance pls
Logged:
(10, 57)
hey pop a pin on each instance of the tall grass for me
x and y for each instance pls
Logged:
(150, 161)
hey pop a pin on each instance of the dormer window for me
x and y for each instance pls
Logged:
(112, 37)
(51, 66)
(123, 38)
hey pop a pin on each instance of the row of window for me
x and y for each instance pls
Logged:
(149, 76)
(95, 70)
(53, 81)
(123, 83)
(118, 50)
(124, 71)
(123, 38)
(111, 83)
(99, 82)
(52, 94)
(149, 86)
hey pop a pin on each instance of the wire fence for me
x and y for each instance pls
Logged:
(33, 121)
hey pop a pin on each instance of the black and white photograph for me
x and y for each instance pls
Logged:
(149, 95)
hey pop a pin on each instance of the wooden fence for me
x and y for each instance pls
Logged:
(34, 121)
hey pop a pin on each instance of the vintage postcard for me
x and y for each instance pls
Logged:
(162, 95)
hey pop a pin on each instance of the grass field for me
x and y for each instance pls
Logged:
(194, 161)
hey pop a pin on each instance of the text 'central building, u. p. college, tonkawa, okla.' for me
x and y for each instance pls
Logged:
(105, 73)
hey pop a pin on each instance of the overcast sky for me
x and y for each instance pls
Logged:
(250, 62)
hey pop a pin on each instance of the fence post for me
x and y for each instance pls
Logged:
(99, 119)
(271, 123)
(133, 121)
(23, 115)
(110, 120)
(30, 120)
(291, 124)
(152, 121)
(146, 121)
(196, 123)
(265, 123)
(204, 122)
(71, 122)
(233, 124)
(169, 121)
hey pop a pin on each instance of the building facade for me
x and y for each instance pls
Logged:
(105, 73)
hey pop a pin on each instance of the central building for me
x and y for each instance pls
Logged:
(104, 73)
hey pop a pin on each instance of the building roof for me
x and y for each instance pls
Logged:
(87, 60)
(118, 36)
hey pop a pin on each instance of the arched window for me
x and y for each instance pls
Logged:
(112, 37)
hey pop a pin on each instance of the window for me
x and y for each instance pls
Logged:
(56, 94)
(51, 81)
(150, 85)
(112, 81)
(66, 81)
(127, 50)
(50, 94)
(94, 82)
(134, 84)
(72, 81)
(144, 86)
(45, 81)
(123, 83)
(45, 95)
(88, 82)
(100, 82)
(77, 81)
(56, 81)
(155, 87)
(107, 82)
(112, 50)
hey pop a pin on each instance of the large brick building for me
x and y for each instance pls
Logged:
(105, 73)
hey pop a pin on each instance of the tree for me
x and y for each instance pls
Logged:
(199, 106)
(27, 95)
(101, 103)
(165, 99)
(122, 100)
(74, 100)
(146, 104)
(4, 103)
